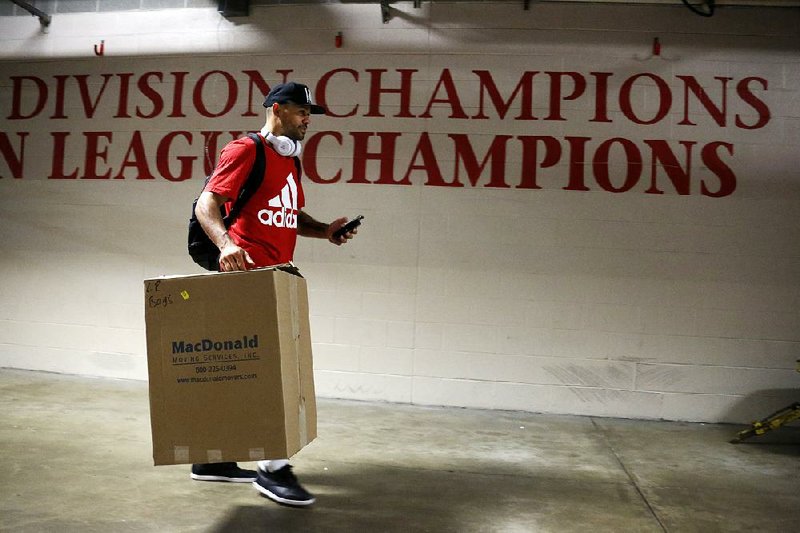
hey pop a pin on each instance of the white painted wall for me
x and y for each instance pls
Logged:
(591, 302)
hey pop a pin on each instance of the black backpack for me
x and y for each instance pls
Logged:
(204, 252)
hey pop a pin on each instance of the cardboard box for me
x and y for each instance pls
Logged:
(230, 367)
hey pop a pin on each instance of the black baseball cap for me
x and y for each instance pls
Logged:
(292, 93)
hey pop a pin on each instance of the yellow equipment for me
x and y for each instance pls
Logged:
(773, 421)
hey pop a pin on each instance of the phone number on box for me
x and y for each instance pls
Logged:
(214, 368)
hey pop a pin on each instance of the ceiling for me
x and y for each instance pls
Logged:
(704, 8)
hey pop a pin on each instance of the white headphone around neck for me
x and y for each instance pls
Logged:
(284, 145)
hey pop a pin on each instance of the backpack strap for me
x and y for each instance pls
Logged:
(253, 182)
(298, 166)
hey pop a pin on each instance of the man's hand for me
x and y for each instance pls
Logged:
(307, 226)
(233, 258)
(335, 225)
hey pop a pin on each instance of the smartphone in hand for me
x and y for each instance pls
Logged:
(350, 226)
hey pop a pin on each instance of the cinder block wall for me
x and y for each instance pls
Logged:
(561, 215)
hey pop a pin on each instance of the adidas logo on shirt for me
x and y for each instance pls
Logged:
(281, 211)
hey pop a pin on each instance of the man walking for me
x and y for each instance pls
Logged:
(264, 234)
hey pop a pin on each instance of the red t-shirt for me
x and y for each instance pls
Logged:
(266, 227)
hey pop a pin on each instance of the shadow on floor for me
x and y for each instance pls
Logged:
(374, 498)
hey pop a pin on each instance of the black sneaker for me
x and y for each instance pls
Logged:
(282, 486)
(222, 472)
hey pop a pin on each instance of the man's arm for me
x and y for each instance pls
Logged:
(307, 226)
(231, 257)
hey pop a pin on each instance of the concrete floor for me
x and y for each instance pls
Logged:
(77, 458)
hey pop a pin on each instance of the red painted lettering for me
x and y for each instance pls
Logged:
(94, 152)
(310, 149)
(322, 90)
(679, 176)
(385, 155)
(487, 86)
(163, 156)
(136, 158)
(718, 113)
(452, 98)
(20, 88)
(556, 82)
(89, 104)
(155, 98)
(59, 149)
(749, 97)
(711, 159)
(227, 105)
(600, 165)
(601, 97)
(664, 99)
(14, 159)
(376, 89)
(530, 159)
(429, 164)
(466, 155)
